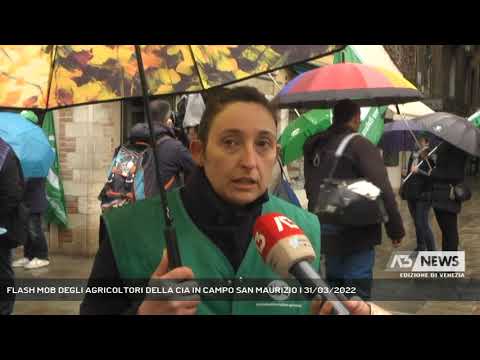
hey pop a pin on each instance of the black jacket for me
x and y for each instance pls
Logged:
(11, 192)
(449, 171)
(173, 157)
(228, 226)
(420, 183)
(361, 159)
(35, 195)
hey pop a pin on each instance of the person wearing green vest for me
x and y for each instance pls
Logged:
(214, 214)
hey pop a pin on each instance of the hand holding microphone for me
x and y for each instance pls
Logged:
(284, 246)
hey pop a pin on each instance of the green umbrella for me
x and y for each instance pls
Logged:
(295, 135)
(315, 121)
(475, 119)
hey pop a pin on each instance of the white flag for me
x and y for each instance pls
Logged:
(194, 110)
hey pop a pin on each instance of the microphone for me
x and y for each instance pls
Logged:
(286, 249)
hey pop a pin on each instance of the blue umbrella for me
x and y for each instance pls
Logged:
(29, 143)
(397, 136)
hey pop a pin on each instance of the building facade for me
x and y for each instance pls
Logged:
(448, 75)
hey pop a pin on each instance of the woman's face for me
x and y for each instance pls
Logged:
(423, 142)
(240, 152)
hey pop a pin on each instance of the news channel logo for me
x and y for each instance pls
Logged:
(428, 264)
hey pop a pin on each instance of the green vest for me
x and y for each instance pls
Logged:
(136, 235)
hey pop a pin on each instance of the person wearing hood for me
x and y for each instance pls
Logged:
(350, 250)
(175, 160)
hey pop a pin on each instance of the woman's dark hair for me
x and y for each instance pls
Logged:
(219, 99)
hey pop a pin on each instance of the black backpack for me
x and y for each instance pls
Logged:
(120, 188)
(132, 176)
(343, 201)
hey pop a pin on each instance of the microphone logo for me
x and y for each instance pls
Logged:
(281, 221)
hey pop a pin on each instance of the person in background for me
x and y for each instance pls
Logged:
(416, 189)
(11, 194)
(448, 172)
(350, 250)
(35, 250)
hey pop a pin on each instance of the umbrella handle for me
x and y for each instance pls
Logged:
(174, 259)
(170, 234)
(421, 162)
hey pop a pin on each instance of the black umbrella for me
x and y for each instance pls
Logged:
(452, 129)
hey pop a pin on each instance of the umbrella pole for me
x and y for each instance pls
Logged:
(170, 234)
(280, 88)
(411, 133)
(408, 126)
(421, 162)
(42, 116)
(296, 112)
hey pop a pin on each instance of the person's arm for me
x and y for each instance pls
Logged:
(424, 166)
(184, 160)
(105, 272)
(11, 190)
(370, 164)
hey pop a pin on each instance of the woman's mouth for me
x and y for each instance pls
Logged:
(245, 183)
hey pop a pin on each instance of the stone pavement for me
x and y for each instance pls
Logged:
(61, 267)
(77, 267)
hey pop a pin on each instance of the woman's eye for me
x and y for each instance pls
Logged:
(264, 144)
(230, 142)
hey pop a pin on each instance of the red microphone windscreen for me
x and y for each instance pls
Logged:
(270, 228)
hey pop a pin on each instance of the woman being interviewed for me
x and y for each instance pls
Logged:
(214, 214)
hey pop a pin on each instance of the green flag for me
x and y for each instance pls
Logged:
(372, 117)
(56, 212)
(372, 123)
(475, 119)
(347, 55)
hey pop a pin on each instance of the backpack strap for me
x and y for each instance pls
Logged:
(339, 152)
(344, 143)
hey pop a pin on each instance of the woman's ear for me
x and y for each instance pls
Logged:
(198, 153)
